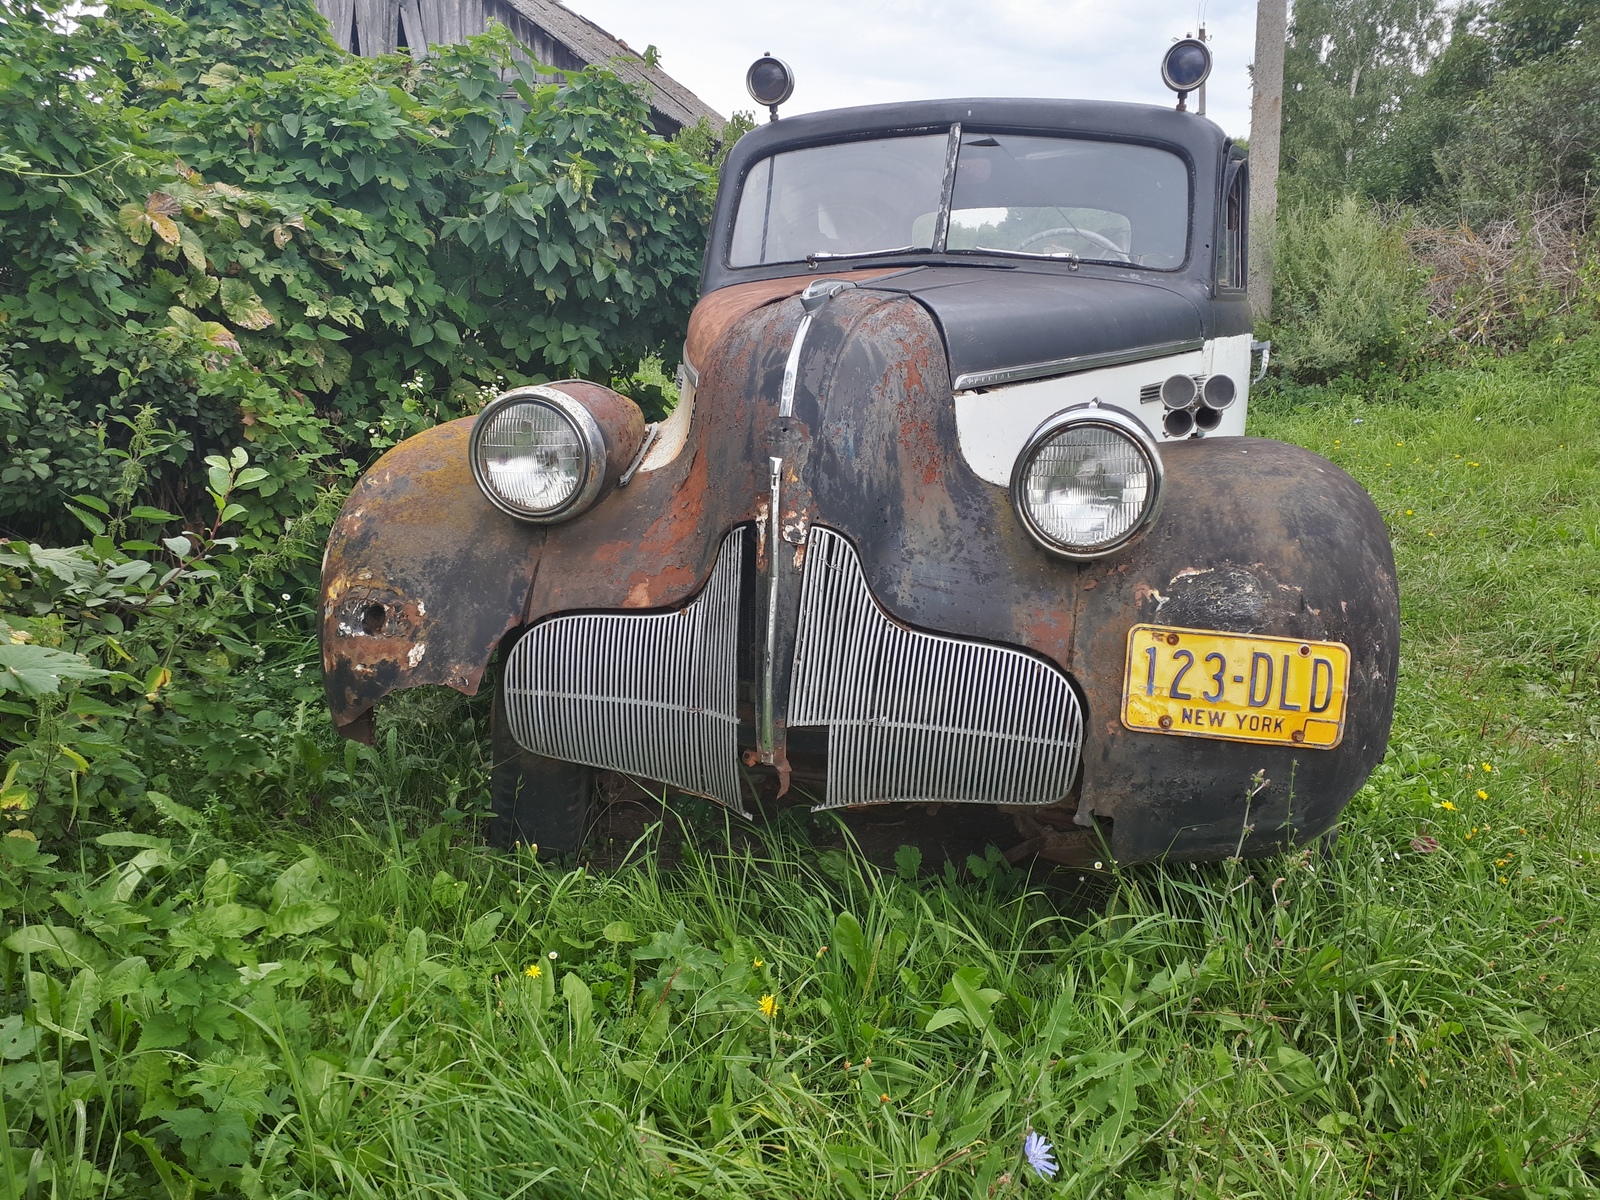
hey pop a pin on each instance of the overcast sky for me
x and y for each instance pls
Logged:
(871, 51)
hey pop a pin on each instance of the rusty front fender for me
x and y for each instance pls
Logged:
(422, 578)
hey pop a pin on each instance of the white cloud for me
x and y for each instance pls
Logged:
(846, 53)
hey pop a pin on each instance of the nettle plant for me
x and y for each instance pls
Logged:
(208, 210)
(122, 656)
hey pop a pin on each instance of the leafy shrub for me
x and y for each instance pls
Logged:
(125, 663)
(1534, 131)
(1348, 296)
(260, 239)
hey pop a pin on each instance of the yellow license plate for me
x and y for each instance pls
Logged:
(1237, 688)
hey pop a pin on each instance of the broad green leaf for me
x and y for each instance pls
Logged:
(90, 522)
(300, 918)
(60, 945)
(481, 932)
(194, 251)
(180, 545)
(94, 502)
(851, 944)
(81, 1002)
(229, 920)
(243, 306)
(135, 223)
(40, 670)
(143, 841)
(298, 884)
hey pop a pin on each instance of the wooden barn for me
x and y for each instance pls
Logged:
(554, 35)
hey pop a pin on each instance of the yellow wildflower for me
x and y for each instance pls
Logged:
(1482, 795)
(534, 971)
(769, 1006)
(1445, 804)
(1487, 767)
(757, 964)
(1411, 512)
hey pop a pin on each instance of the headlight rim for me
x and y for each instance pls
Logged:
(1104, 416)
(591, 438)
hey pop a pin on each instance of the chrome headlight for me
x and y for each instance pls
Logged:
(538, 454)
(1088, 482)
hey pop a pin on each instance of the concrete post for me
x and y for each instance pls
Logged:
(1266, 128)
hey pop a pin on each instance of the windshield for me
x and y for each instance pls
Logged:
(1046, 197)
(844, 199)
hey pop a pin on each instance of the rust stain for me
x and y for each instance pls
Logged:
(644, 589)
(719, 310)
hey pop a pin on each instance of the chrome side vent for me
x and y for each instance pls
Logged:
(650, 694)
(1150, 393)
(918, 716)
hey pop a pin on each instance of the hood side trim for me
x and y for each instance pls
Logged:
(1071, 365)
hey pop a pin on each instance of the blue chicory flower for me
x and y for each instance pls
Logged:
(1038, 1153)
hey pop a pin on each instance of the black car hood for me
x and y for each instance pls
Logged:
(1004, 324)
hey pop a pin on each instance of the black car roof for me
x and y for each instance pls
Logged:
(1199, 140)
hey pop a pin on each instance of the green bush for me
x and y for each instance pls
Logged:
(264, 241)
(1348, 295)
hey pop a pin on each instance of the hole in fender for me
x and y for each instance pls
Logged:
(373, 618)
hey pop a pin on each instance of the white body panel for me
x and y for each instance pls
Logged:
(993, 426)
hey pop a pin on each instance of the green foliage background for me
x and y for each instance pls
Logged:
(209, 212)
(1438, 194)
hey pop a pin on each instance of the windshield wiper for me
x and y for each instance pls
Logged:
(1066, 256)
(817, 256)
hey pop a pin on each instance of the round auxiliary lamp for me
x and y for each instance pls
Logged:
(770, 81)
(1185, 67)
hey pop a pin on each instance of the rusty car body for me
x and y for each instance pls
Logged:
(834, 558)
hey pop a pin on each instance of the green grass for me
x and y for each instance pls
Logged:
(1415, 1015)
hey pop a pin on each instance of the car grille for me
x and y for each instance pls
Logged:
(651, 694)
(920, 716)
(910, 716)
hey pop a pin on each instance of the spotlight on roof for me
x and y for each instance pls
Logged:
(770, 82)
(1185, 67)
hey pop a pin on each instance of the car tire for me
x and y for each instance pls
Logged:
(537, 801)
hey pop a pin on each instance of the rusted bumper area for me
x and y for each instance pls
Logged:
(422, 579)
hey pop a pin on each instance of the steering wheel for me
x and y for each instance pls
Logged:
(1087, 235)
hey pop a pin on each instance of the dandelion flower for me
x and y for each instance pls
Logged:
(1447, 806)
(883, 1097)
(534, 971)
(757, 964)
(769, 1006)
(1487, 767)
(1040, 1155)
(1411, 512)
(1482, 795)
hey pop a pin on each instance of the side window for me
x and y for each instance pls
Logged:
(1232, 267)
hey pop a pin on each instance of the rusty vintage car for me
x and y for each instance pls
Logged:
(956, 509)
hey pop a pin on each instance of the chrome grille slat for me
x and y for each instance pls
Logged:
(917, 716)
(650, 694)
